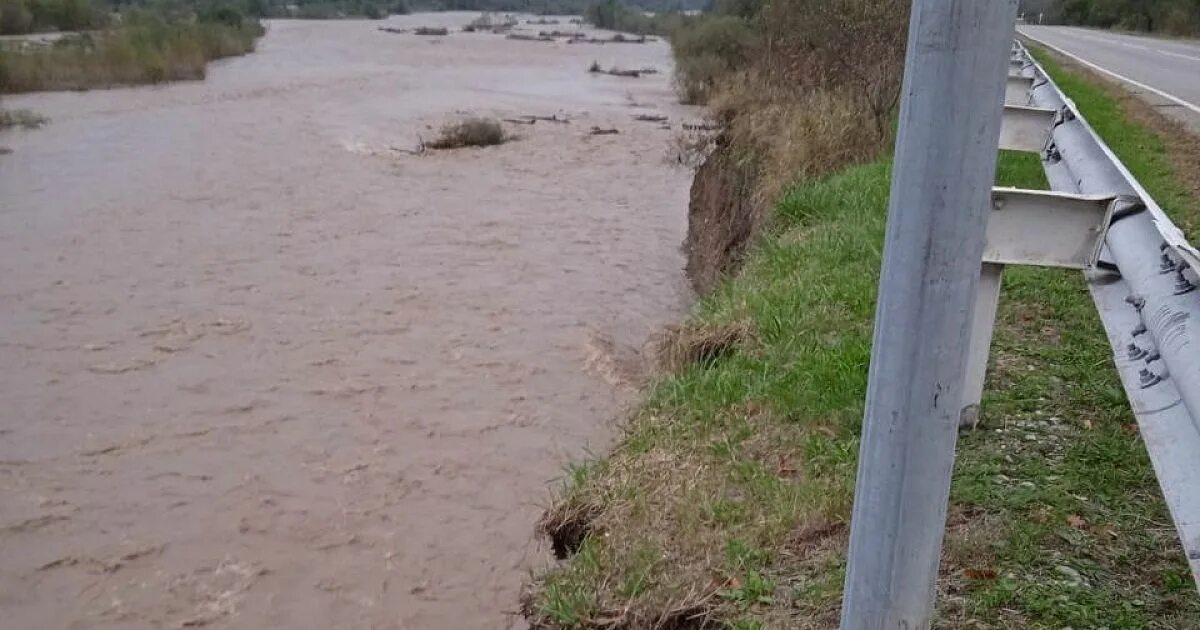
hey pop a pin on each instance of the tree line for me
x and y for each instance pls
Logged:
(1173, 17)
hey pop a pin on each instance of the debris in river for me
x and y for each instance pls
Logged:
(472, 132)
(614, 71)
(704, 126)
(431, 30)
(528, 38)
(529, 119)
(388, 29)
(566, 34)
(599, 131)
(420, 150)
(615, 39)
(650, 118)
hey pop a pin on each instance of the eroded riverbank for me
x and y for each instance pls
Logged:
(258, 369)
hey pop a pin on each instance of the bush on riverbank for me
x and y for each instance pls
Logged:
(22, 118)
(145, 49)
(338, 9)
(801, 88)
(708, 50)
(472, 132)
(35, 16)
(614, 15)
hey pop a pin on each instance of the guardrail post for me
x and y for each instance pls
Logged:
(945, 161)
(987, 300)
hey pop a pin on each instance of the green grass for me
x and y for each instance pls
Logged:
(728, 498)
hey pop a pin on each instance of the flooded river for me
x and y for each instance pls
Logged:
(260, 369)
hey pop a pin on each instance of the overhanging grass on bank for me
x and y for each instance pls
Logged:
(728, 500)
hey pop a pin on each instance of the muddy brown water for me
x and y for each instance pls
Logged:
(260, 370)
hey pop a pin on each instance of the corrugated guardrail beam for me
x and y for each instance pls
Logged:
(1147, 299)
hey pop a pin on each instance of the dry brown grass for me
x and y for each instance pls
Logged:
(666, 538)
(472, 132)
(695, 342)
(798, 134)
(805, 89)
(691, 147)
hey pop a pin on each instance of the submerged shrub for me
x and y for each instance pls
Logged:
(472, 132)
(22, 118)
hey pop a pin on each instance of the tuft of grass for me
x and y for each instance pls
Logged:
(696, 342)
(738, 473)
(472, 132)
(22, 118)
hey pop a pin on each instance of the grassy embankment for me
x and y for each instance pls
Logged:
(727, 499)
(144, 49)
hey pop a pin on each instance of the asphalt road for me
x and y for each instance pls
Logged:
(1169, 66)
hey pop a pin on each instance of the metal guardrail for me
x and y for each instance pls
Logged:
(949, 237)
(1144, 287)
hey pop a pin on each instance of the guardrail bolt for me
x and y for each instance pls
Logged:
(1065, 115)
(1166, 265)
(1140, 329)
(1182, 285)
(1153, 356)
(1146, 378)
(1136, 301)
(1135, 352)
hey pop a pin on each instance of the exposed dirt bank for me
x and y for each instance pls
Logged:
(724, 216)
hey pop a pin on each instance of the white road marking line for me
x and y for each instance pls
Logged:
(1180, 55)
(1170, 97)
(1112, 40)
